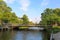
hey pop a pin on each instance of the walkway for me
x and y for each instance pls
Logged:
(56, 36)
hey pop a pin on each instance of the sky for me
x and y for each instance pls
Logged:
(32, 8)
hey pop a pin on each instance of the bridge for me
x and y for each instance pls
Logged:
(26, 25)
(31, 27)
(20, 25)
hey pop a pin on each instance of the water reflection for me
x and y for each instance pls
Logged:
(21, 35)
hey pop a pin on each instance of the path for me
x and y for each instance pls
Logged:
(56, 36)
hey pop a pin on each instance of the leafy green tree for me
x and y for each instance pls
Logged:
(13, 18)
(20, 21)
(25, 19)
(31, 23)
(6, 14)
(50, 16)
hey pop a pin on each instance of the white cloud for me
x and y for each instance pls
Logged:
(36, 19)
(44, 3)
(9, 1)
(24, 5)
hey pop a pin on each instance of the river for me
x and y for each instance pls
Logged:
(21, 35)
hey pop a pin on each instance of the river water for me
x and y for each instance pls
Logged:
(21, 35)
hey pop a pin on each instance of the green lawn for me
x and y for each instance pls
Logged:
(23, 27)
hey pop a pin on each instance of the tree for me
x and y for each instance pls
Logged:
(13, 18)
(6, 14)
(50, 16)
(25, 19)
(31, 23)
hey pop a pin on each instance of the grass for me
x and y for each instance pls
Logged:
(56, 29)
(25, 27)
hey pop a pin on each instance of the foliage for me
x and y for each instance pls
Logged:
(56, 29)
(31, 23)
(20, 21)
(25, 19)
(6, 14)
(50, 16)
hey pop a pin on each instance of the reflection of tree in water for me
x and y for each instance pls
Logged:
(46, 36)
(21, 35)
(10, 35)
(7, 35)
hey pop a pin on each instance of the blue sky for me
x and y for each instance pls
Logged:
(32, 8)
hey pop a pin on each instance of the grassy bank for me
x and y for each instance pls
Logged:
(25, 27)
(56, 29)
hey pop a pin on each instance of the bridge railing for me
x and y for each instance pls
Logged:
(19, 25)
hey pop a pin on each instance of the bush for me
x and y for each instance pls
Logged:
(56, 29)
